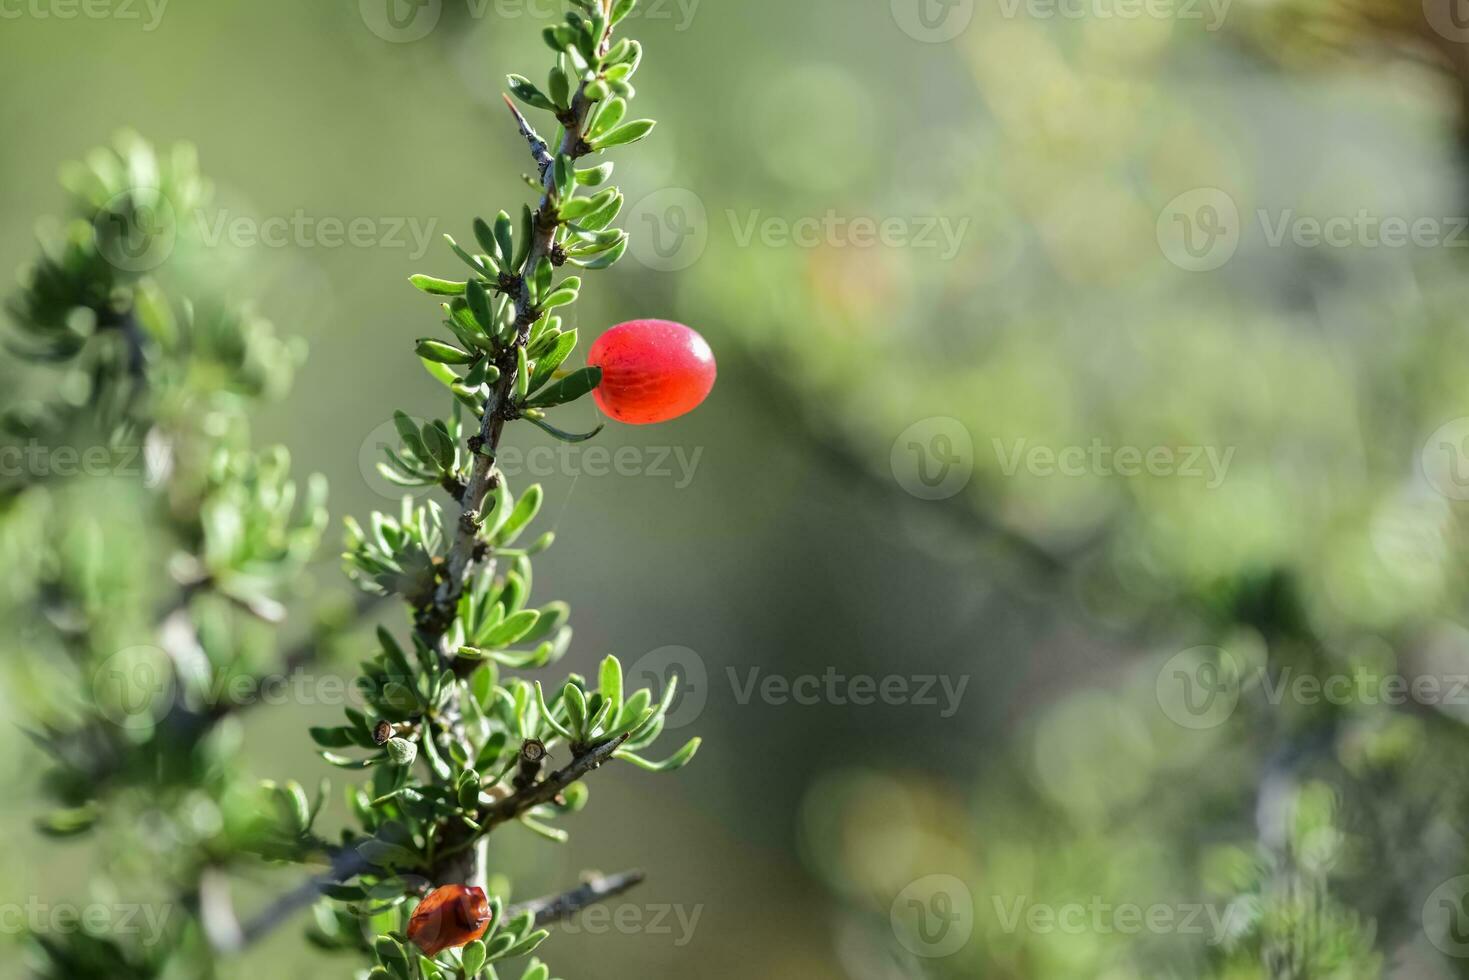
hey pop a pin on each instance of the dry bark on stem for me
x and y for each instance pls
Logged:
(554, 908)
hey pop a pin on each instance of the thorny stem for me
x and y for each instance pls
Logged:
(461, 861)
(483, 475)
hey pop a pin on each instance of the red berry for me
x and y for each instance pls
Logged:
(453, 915)
(652, 371)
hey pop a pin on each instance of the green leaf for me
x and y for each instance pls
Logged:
(436, 350)
(576, 708)
(478, 299)
(473, 958)
(595, 176)
(609, 681)
(484, 265)
(549, 716)
(525, 511)
(294, 802)
(386, 855)
(550, 833)
(604, 260)
(439, 445)
(560, 87)
(69, 823)
(526, 945)
(485, 236)
(527, 236)
(513, 628)
(568, 389)
(553, 616)
(505, 238)
(547, 363)
(676, 761)
(522, 374)
(392, 955)
(603, 216)
(526, 91)
(437, 287)
(564, 177)
(440, 372)
(612, 114)
(563, 435)
(332, 738)
(625, 134)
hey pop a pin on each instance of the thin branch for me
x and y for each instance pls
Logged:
(554, 908)
(433, 622)
(538, 149)
(483, 477)
(552, 786)
(348, 862)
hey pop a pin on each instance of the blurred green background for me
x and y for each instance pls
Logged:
(922, 238)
